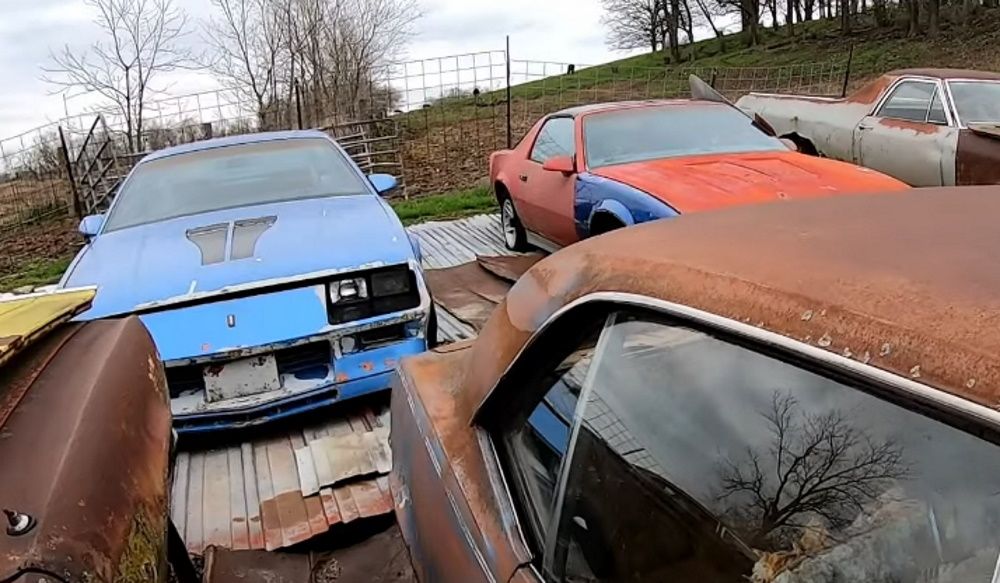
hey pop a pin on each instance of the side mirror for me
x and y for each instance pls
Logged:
(564, 164)
(383, 183)
(91, 226)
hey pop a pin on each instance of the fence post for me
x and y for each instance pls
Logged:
(298, 104)
(77, 208)
(510, 133)
(847, 71)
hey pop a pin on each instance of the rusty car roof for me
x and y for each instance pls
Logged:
(906, 282)
(948, 73)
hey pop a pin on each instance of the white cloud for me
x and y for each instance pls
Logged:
(565, 31)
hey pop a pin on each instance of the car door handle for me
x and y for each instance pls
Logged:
(522, 177)
(863, 128)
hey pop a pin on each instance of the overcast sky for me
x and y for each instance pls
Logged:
(547, 30)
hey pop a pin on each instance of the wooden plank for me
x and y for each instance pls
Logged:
(216, 515)
(194, 538)
(254, 527)
(239, 534)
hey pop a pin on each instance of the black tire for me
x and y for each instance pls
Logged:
(514, 236)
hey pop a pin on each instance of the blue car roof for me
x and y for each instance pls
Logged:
(234, 141)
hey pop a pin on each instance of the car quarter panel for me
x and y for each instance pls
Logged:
(626, 203)
(448, 508)
(85, 451)
(828, 123)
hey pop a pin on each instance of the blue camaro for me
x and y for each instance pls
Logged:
(272, 276)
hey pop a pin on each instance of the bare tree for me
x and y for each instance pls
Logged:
(823, 466)
(709, 17)
(634, 24)
(142, 40)
(246, 41)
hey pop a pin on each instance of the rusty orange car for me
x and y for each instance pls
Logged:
(927, 127)
(591, 169)
(801, 392)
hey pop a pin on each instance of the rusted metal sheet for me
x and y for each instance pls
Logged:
(26, 318)
(900, 282)
(334, 459)
(85, 453)
(249, 495)
(472, 290)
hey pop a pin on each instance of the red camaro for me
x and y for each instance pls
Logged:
(587, 170)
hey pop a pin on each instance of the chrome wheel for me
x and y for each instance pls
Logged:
(507, 223)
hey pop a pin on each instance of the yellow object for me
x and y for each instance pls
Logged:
(25, 319)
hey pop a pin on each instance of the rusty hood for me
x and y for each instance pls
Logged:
(700, 183)
(84, 447)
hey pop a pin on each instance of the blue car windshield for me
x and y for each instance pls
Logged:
(649, 133)
(233, 176)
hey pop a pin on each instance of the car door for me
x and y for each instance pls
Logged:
(545, 198)
(691, 455)
(910, 135)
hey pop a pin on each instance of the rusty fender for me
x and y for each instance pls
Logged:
(85, 453)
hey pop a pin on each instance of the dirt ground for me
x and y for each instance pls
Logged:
(46, 240)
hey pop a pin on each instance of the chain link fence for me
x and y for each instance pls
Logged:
(431, 122)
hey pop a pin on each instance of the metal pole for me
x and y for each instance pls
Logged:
(298, 104)
(510, 133)
(77, 207)
(847, 72)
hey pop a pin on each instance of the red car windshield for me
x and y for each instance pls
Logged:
(649, 133)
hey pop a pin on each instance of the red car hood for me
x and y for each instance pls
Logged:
(700, 183)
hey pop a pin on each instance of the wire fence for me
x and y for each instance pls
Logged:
(432, 122)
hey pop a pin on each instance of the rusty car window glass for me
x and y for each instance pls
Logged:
(936, 113)
(976, 101)
(701, 460)
(554, 139)
(909, 100)
(538, 441)
(649, 133)
(233, 176)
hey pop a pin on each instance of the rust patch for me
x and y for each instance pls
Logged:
(870, 93)
(342, 377)
(368, 366)
(977, 159)
(905, 124)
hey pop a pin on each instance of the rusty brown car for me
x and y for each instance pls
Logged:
(926, 127)
(84, 446)
(796, 392)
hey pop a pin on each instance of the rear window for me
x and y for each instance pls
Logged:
(233, 176)
(648, 133)
(976, 101)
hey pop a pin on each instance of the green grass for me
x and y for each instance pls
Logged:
(36, 273)
(451, 205)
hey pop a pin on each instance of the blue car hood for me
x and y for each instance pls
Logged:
(168, 261)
